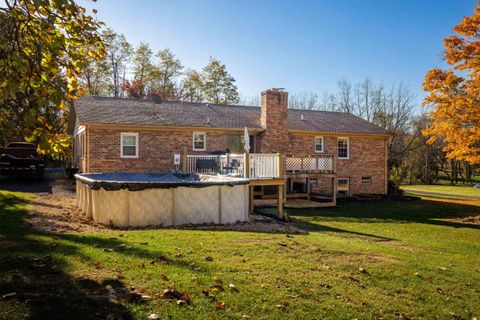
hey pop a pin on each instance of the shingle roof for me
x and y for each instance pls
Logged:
(102, 110)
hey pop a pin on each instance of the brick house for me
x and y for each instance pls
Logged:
(318, 151)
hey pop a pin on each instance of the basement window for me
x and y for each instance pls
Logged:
(318, 144)
(128, 145)
(366, 180)
(199, 141)
(343, 186)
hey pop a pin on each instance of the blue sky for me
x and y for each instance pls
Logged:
(297, 45)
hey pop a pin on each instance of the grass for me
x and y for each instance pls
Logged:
(458, 190)
(366, 260)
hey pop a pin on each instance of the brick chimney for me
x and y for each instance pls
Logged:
(274, 119)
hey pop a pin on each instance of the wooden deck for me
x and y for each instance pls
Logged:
(293, 203)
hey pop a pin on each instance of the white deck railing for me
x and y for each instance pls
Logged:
(264, 166)
(261, 166)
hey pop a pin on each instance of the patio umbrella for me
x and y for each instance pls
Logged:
(246, 141)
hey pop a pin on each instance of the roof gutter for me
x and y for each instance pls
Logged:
(351, 134)
(166, 128)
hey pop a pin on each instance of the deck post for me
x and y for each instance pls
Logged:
(246, 161)
(307, 181)
(185, 159)
(250, 197)
(334, 188)
(280, 211)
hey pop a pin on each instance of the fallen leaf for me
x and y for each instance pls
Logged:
(219, 305)
(164, 276)
(186, 297)
(208, 294)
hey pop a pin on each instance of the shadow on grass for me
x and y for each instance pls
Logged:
(432, 212)
(34, 283)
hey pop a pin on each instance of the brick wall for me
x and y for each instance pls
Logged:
(156, 149)
(367, 158)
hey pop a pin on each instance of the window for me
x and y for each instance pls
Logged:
(366, 180)
(343, 148)
(343, 186)
(199, 141)
(318, 144)
(129, 145)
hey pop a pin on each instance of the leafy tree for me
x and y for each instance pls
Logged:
(218, 85)
(142, 66)
(134, 89)
(118, 53)
(165, 74)
(454, 93)
(95, 78)
(45, 47)
(191, 86)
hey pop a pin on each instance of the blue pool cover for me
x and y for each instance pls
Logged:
(140, 181)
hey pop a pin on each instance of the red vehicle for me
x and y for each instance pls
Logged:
(21, 158)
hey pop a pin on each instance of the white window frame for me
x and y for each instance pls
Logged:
(204, 140)
(323, 144)
(347, 184)
(129, 134)
(366, 180)
(348, 148)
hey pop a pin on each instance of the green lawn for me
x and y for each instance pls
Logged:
(451, 190)
(366, 260)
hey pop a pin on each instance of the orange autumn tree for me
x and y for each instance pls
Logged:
(454, 94)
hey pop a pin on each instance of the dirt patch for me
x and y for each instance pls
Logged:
(57, 213)
(475, 219)
(256, 223)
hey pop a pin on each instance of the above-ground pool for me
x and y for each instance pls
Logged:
(162, 199)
